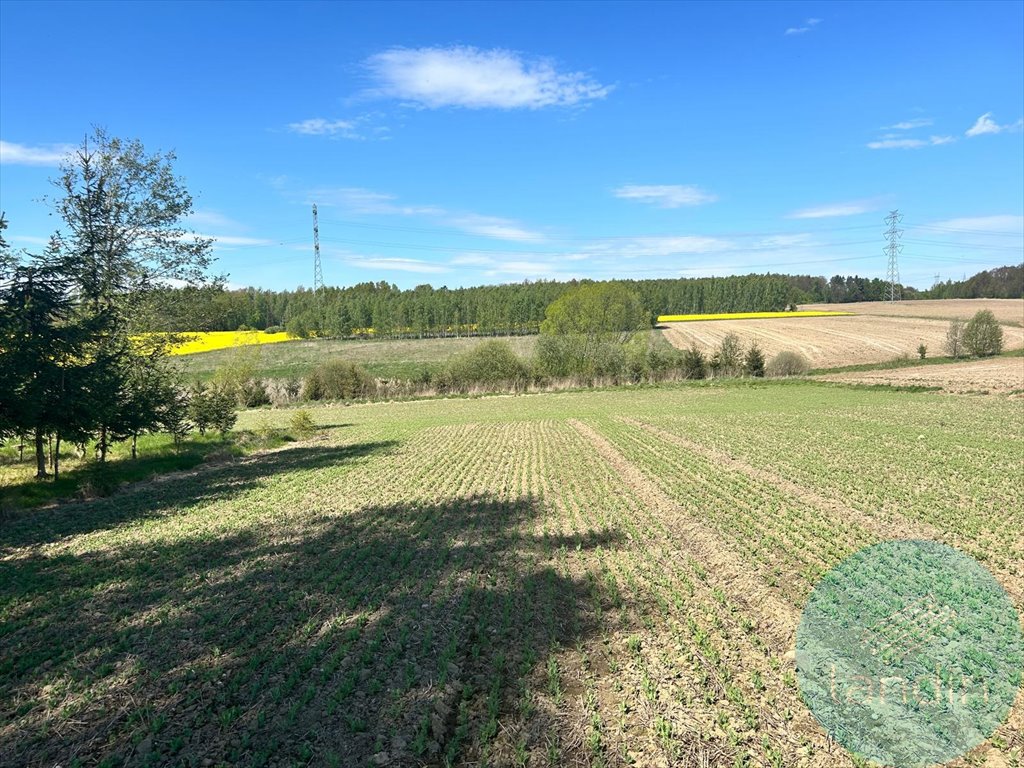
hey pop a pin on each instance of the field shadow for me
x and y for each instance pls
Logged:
(396, 634)
(175, 493)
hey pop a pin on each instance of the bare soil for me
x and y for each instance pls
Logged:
(996, 375)
(1008, 311)
(829, 341)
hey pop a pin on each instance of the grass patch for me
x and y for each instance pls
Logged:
(907, 362)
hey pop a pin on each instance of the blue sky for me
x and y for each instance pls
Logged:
(462, 144)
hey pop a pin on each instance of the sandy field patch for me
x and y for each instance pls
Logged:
(996, 375)
(829, 341)
(1005, 310)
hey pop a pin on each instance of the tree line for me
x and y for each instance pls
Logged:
(75, 365)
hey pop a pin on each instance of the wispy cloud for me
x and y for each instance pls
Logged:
(395, 264)
(666, 195)
(365, 201)
(985, 124)
(808, 25)
(319, 126)
(1002, 224)
(496, 227)
(463, 76)
(21, 154)
(907, 125)
(851, 208)
(891, 143)
(631, 248)
(360, 200)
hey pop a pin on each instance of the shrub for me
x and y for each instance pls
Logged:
(252, 393)
(982, 335)
(274, 329)
(753, 361)
(221, 411)
(922, 350)
(728, 358)
(338, 380)
(955, 338)
(787, 363)
(694, 365)
(302, 424)
(491, 362)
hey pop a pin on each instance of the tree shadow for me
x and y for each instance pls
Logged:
(174, 493)
(397, 634)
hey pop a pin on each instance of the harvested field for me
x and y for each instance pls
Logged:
(996, 375)
(1009, 311)
(829, 341)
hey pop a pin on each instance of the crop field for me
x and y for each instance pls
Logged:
(385, 359)
(207, 341)
(1007, 311)
(994, 375)
(597, 578)
(830, 341)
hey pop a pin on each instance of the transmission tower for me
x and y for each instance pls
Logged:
(318, 273)
(892, 250)
(938, 279)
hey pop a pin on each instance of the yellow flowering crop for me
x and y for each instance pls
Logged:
(746, 316)
(209, 340)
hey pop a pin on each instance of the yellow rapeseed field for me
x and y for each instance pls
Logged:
(746, 316)
(207, 341)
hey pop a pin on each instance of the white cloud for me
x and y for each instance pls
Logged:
(30, 239)
(399, 265)
(463, 76)
(666, 195)
(359, 200)
(631, 248)
(20, 154)
(319, 126)
(809, 24)
(985, 124)
(906, 125)
(366, 201)
(890, 143)
(495, 227)
(851, 208)
(207, 219)
(1002, 223)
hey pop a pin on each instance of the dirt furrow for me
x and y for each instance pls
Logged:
(777, 619)
(884, 528)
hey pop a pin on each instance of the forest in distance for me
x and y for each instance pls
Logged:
(518, 308)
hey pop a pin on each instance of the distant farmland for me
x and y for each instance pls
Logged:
(863, 338)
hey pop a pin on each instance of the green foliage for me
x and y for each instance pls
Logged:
(728, 358)
(753, 361)
(300, 327)
(489, 363)
(787, 363)
(239, 378)
(694, 365)
(301, 424)
(922, 351)
(596, 310)
(982, 335)
(338, 380)
(274, 329)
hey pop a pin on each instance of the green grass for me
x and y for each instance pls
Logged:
(494, 580)
(386, 359)
(86, 477)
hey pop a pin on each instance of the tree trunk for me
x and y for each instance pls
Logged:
(40, 454)
(135, 439)
(102, 445)
(56, 459)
